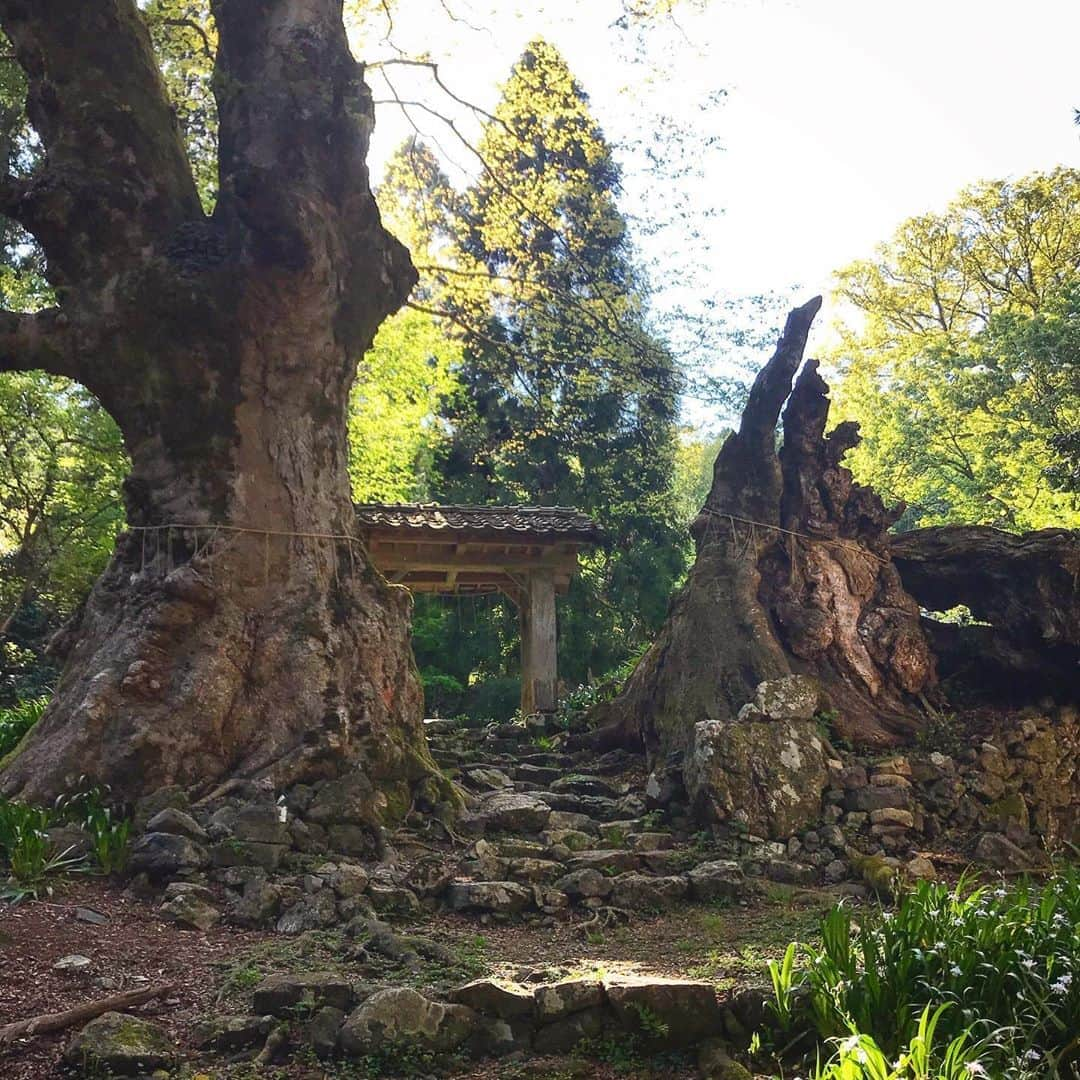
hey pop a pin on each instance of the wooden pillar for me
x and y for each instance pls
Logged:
(539, 664)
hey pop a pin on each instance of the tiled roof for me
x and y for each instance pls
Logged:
(552, 522)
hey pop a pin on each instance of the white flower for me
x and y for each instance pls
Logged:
(999, 893)
(975, 1068)
(955, 969)
(1028, 963)
(1061, 984)
(1032, 1055)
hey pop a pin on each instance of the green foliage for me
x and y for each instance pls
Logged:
(942, 733)
(17, 720)
(562, 394)
(858, 1057)
(964, 372)
(61, 468)
(1004, 962)
(25, 846)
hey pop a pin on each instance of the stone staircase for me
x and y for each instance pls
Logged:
(547, 829)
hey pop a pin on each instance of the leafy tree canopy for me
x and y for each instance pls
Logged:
(962, 369)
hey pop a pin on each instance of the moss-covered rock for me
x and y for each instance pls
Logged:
(767, 774)
(119, 1045)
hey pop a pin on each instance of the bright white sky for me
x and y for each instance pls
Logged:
(842, 117)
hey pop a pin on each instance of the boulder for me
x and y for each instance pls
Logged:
(323, 1030)
(259, 903)
(401, 1016)
(584, 884)
(496, 897)
(493, 997)
(116, 1044)
(348, 880)
(566, 1035)
(687, 1011)
(999, 851)
(234, 852)
(768, 774)
(177, 822)
(166, 855)
(230, 1033)
(719, 879)
(279, 995)
(556, 1000)
(309, 912)
(191, 911)
(508, 811)
(640, 892)
(793, 697)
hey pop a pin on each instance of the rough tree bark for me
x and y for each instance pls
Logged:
(792, 576)
(1026, 587)
(224, 347)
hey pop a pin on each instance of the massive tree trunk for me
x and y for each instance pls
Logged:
(792, 576)
(239, 629)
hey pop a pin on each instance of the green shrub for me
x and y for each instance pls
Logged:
(858, 1057)
(25, 846)
(1005, 961)
(109, 830)
(18, 720)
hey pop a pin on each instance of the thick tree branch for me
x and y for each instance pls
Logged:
(42, 340)
(115, 182)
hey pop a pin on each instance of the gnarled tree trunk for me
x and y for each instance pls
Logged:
(792, 576)
(239, 630)
(1025, 587)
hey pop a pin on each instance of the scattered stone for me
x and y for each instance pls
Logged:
(401, 1015)
(868, 799)
(309, 913)
(190, 911)
(920, 869)
(688, 1010)
(89, 915)
(793, 697)
(178, 822)
(584, 884)
(72, 962)
(508, 811)
(70, 841)
(348, 880)
(560, 819)
(650, 841)
(166, 855)
(278, 995)
(258, 905)
(1000, 852)
(610, 862)
(835, 871)
(891, 815)
(565, 1035)
(556, 1000)
(640, 892)
(491, 997)
(116, 1044)
(235, 852)
(497, 897)
(230, 1033)
(393, 899)
(721, 878)
(587, 785)
(323, 1030)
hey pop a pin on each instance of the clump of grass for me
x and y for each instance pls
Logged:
(1004, 961)
(16, 721)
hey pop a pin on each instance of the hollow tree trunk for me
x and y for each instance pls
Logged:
(792, 576)
(239, 629)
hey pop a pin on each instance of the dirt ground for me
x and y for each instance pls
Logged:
(214, 972)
